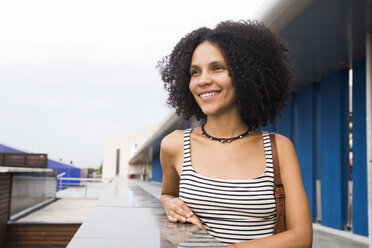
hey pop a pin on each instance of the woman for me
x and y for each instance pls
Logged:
(219, 176)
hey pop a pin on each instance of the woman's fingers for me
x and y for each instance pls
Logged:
(175, 216)
(195, 220)
(179, 210)
(183, 209)
(179, 213)
(172, 219)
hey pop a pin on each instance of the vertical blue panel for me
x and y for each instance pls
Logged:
(304, 143)
(284, 123)
(294, 120)
(317, 131)
(345, 146)
(157, 172)
(334, 150)
(316, 145)
(360, 204)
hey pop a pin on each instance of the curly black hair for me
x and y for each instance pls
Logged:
(258, 64)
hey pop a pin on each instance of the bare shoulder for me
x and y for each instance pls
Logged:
(286, 151)
(172, 143)
(171, 154)
(283, 143)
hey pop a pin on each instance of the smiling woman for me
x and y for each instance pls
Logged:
(220, 176)
(257, 62)
(210, 81)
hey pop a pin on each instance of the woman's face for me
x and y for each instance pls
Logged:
(210, 81)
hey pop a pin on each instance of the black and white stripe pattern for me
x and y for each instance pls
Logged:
(231, 210)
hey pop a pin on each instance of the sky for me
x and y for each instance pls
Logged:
(76, 72)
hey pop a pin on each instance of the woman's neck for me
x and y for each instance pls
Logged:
(225, 126)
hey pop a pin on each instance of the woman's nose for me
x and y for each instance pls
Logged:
(205, 79)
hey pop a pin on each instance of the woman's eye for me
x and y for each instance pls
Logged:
(194, 72)
(218, 68)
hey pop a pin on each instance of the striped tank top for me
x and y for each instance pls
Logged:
(232, 210)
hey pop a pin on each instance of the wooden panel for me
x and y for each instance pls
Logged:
(5, 188)
(39, 235)
(32, 160)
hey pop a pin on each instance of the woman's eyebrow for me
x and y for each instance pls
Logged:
(211, 63)
(216, 62)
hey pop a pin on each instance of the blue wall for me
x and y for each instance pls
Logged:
(157, 171)
(283, 125)
(317, 131)
(334, 149)
(294, 115)
(360, 203)
(305, 145)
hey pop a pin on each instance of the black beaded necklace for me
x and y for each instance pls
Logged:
(222, 140)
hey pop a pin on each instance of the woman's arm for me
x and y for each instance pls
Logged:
(299, 231)
(171, 154)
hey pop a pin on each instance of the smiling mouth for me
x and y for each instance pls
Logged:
(209, 94)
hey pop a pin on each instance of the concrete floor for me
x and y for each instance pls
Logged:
(63, 210)
(73, 205)
(324, 239)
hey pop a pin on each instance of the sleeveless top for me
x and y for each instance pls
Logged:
(232, 210)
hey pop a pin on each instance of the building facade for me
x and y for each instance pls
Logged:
(118, 151)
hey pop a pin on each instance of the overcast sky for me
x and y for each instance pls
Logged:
(74, 73)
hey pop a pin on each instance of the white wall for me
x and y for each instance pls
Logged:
(125, 144)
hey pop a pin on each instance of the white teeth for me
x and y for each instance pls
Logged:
(208, 94)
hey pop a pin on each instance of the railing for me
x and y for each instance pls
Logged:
(30, 191)
(80, 187)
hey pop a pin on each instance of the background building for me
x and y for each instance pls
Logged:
(118, 151)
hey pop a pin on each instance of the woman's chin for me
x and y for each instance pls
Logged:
(209, 111)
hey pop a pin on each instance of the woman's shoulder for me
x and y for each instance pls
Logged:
(172, 143)
(286, 150)
(283, 142)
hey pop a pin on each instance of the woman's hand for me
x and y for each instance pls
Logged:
(177, 210)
